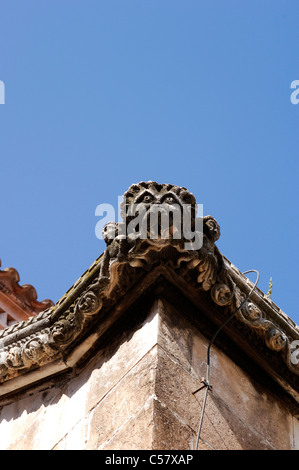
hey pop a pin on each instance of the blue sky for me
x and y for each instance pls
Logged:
(103, 94)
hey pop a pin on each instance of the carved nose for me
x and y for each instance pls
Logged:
(157, 207)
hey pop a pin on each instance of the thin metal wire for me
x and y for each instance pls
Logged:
(206, 381)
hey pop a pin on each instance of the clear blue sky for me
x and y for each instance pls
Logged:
(102, 94)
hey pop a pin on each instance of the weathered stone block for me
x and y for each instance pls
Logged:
(137, 392)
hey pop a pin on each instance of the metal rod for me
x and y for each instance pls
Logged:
(207, 380)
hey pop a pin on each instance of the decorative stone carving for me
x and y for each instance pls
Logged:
(3, 370)
(129, 255)
(14, 358)
(150, 193)
(35, 349)
(222, 294)
(39, 348)
(170, 244)
(62, 332)
(252, 315)
(89, 303)
(276, 339)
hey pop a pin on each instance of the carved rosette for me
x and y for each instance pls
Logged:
(88, 304)
(222, 294)
(35, 348)
(252, 315)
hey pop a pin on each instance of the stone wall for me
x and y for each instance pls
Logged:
(136, 392)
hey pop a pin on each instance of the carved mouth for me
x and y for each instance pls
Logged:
(160, 222)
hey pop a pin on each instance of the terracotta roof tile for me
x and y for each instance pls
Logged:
(18, 302)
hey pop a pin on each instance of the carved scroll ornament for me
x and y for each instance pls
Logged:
(274, 337)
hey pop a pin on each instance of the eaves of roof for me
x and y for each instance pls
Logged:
(58, 338)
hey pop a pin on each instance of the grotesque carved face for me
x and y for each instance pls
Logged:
(62, 331)
(14, 357)
(110, 231)
(151, 197)
(151, 192)
(34, 349)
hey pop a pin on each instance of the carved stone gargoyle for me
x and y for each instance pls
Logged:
(160, 225)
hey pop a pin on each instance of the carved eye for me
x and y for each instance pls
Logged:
(147, 198)
(169, 200)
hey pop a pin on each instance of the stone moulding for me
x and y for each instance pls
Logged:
(48, 341)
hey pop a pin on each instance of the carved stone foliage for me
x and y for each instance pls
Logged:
(274, 337)
(129, 255)
(40, 347)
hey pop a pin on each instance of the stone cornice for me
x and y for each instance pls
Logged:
(58, 337)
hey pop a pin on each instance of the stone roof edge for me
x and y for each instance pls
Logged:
(51, 335)
(39, 326)
(48, 316)
(36, 323)
(264, 303)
